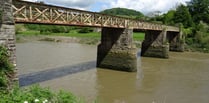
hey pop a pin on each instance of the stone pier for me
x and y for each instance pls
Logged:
(116, 50)
(176, 41)
(155, 44)
(7, 28)
(7, 35)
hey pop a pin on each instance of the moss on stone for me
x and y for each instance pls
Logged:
(159, 51)
(120, 60)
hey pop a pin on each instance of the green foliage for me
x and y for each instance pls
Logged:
(201, 33)
(183, 16)
(19, 28)
(66, 97)
(124, 13)
(195, 20)
(6, 68)
(168, 18)
(48, 29)
(198, 37)
(138, 36)
(85, 30)
(32, 26)
(199, 10)
(38, 94)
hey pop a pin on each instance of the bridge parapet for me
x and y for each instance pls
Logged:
(29, 12)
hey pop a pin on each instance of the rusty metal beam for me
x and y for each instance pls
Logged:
(30, 12)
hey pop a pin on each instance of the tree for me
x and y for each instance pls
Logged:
(199, 10)
(123, 12)
(183, 16)
(168, 18)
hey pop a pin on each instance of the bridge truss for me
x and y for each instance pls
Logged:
(29, 12)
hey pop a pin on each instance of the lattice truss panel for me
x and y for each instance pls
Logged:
(28, 12)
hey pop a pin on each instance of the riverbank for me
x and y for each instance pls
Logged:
(92, 38)
(28, 38)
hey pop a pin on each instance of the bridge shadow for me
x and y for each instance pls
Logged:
(41, 76)
(150, 38)
(108, 40)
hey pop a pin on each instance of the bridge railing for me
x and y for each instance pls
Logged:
(30, 12)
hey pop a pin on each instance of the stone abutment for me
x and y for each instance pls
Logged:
(7, 29)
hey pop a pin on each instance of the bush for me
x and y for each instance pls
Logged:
(85, 30)
(36, 94)
(6, 68)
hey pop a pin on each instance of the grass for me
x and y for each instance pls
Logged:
(37, 94)
(138, 36)
(92, 35)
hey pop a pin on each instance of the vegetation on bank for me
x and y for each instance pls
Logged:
(6, 70)
(195, 18)
(37, 94)
(84, 34)
(33, 94)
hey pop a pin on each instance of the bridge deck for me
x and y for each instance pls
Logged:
(29, 12)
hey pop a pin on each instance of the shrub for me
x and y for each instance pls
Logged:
(37, 94)
(6, 68)
(85, 30)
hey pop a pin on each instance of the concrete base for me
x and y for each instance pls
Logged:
(155, 51)
(122, 60)
(116, 50)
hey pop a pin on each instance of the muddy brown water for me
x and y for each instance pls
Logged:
(183, 78)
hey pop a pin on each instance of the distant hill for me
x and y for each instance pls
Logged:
(123, 12)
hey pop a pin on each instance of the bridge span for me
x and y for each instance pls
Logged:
(30, 12)
(116, 50)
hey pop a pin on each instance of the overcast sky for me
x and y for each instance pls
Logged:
(144, 6)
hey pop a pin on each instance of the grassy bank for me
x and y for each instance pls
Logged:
(72, 36)
(96, 35)
(37, 94)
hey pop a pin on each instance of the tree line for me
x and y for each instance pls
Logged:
(195, 18)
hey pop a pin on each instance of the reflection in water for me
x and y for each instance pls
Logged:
(183, 78)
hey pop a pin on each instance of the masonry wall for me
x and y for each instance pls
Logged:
(7, 29)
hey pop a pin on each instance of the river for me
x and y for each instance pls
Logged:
(183, 78)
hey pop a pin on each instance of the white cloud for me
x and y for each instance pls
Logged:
(147, 5)
(144, 6)
(79, 4)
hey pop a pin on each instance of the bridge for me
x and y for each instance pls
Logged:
(116, 50)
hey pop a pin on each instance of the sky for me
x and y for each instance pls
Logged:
(144, 6)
